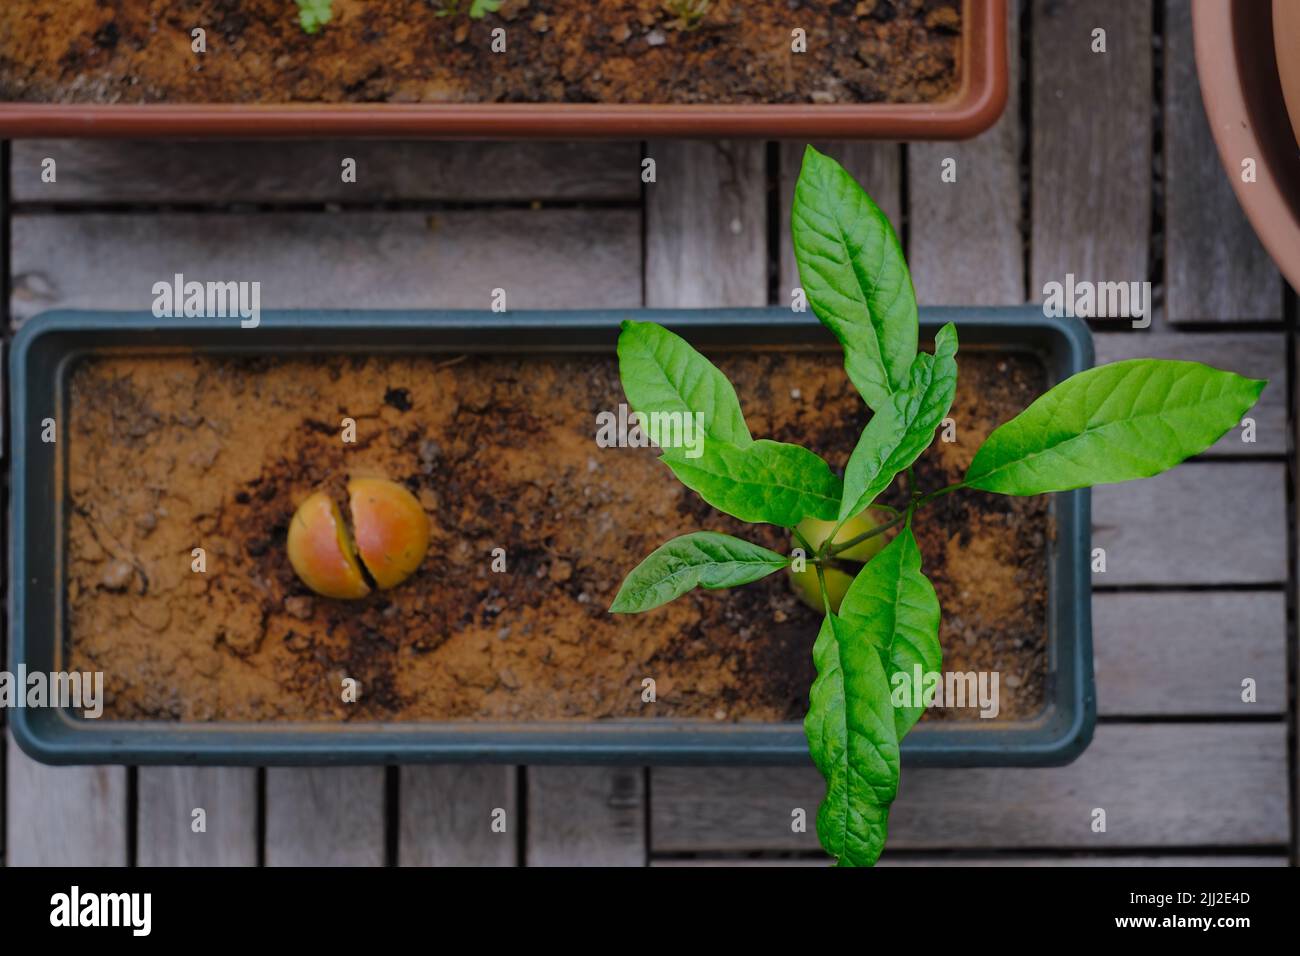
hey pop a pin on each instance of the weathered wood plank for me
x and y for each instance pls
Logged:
(1257, 355)
(63, 816)
(965, 245)
(1201, 523)
(1187, 653)
(325, 816)
(1090, 142)
(447, 816)
(167, 798)
(549, 258)
(706, 225)
(586, 816)
(902, 859)
(98, 171)
(1215, 268)
(1161, 785)
(878, 168)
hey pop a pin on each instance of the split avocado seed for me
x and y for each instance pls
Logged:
(389, 533)
(838, 579)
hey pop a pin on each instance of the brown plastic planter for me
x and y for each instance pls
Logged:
(981, 96)
(1238, 70)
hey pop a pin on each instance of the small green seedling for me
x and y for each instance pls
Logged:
(314, 14)
(477, 10)
(1117, 422)
(689, 13)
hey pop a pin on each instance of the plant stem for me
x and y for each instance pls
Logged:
(821, 582)
(879, 529)
(927, 498)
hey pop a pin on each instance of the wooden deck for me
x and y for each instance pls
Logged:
(1103, 166)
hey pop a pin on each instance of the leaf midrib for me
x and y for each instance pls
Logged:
(1090, 431)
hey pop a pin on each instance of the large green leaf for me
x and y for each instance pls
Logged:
(852, 270)
(894, 604)
(903, 427)
(662, 373)
(704, 559)
(851, 737)
(766, 481)
(1117, 422)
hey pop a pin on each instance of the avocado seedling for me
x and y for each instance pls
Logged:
(1127, 420)
(389, 535)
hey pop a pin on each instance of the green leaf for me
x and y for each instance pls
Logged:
(313, 14)
(481, 8)
(853, 272)
(662, 373)
(704, 559)
(1131, 419)
(894, 604)
(903, 427)
(851, 737)
(766, 481)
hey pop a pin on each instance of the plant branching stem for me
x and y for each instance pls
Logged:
(915, 500)
(858, 539)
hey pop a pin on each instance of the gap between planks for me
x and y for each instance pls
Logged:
(1161, 785)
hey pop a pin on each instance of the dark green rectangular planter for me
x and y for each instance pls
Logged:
(47, 346)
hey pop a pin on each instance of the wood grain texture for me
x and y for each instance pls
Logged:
(878, 168)
(586, 816)
(325, 816)
(1169, 785)
(1255, 355)
(1201, 523)
(1215, 268)
(166, 800)
(891, 859)
(706, 225)
(965, 242)
(269, 171)
(63, 816)
(447, 815)
(548, 258)
(1091, 142)
(1187, 652)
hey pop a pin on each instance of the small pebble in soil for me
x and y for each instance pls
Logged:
(1013, 680)
(796, 394)
(561, 571)
(656, 38)
(117, 575)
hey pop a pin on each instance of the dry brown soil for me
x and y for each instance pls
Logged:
(403, 51)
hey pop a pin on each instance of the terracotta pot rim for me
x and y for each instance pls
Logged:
(1270, 204)
(979, 101)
